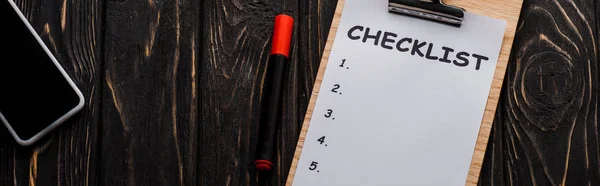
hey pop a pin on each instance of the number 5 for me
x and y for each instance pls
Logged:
(313, 166)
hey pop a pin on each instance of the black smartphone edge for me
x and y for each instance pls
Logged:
(63, 118)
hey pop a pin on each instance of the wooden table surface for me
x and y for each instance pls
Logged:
(173, 90)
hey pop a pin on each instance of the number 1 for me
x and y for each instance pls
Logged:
(343, 61)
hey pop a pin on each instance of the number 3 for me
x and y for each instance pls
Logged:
(329, 111)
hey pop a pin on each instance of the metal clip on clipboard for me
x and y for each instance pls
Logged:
(434, 10)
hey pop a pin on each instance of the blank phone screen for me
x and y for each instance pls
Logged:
(33, 91)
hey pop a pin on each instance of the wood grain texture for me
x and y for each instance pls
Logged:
(173, 90)
(546, 128)
(149, 103)
(506, 10)
(72, 32)
(232, 73)
(314, 22)
(315, 92)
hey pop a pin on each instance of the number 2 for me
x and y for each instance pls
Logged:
(335, 87)
(313, 166)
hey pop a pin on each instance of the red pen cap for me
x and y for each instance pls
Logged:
(282, 35)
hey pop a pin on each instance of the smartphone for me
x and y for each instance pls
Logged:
(36, 95)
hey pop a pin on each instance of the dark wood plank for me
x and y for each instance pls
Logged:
(149, 104)
(546, 126)
(313, 23)
(236, 49)
(72, 31)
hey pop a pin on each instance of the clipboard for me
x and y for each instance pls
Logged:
(507, 10)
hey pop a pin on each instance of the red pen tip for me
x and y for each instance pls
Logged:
(263, 165)
(282, 35)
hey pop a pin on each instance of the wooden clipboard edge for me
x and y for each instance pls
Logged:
(510, 12)
(315, 92)
(511, 15)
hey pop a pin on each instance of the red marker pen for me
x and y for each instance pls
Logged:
(272, 90)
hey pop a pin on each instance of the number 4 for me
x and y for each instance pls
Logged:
(322, 140)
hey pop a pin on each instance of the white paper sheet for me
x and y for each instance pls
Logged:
(399, 118)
